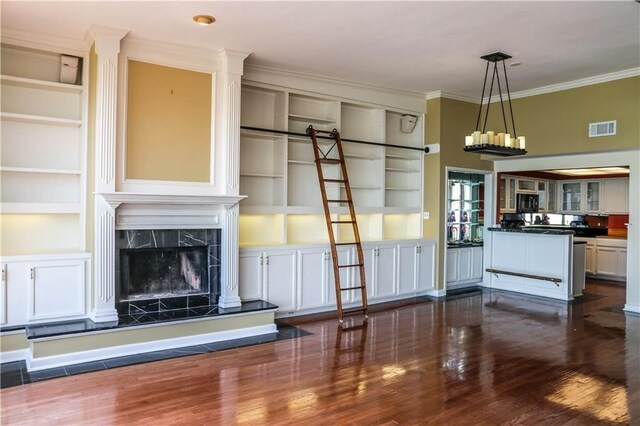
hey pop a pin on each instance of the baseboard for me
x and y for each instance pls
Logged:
(12, 356)
(35, 364)
(435, 293)
(632, 309)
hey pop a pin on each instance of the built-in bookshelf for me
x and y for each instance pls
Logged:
(278, 173)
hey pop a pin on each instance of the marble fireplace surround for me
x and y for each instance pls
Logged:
(138, 211)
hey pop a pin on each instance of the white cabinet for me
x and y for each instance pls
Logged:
(552, 196)
(507, 195)
(300, 279)
(611, 258)
(571, 196)
(542, 196)
(592, 196)
(269, 275)
(616, 195)
(464, 266)
(528, 186)
(40, 289)
(590, 258)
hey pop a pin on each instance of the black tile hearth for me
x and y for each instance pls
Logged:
(16, 374)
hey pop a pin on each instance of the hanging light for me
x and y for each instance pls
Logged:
(491, 142)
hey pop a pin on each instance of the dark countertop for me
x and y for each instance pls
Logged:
(580, 231)
(461, 245)
(579, 242)
(526, 230)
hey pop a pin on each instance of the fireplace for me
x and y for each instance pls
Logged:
(163, 270)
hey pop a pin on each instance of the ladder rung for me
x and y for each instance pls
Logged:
(338, 201)
(330, 161)
(347, 244)
(343, 221)
(334, 180)
(351, 288)
(354, 311)
(352, 265)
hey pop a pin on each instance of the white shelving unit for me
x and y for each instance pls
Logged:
(279, 176)
(43, 142)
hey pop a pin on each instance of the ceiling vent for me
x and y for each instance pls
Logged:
(604, 128)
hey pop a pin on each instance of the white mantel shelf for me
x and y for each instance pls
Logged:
(115, 199)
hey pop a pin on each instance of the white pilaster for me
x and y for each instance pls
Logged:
(229, 296)
(107, 46)
(232, 69)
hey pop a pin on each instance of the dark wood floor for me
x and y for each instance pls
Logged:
(488, 359)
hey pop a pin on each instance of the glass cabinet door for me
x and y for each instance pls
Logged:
(511, 202)
(551, 202)
(571, 196)
(593, 196)
(503, 194)
(542, 196)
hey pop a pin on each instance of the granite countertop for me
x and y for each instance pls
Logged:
(534, 231)
(461, 245)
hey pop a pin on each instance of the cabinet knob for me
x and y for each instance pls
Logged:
(32, 273)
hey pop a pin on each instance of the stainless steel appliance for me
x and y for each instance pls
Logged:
(527, 203)
(512, 220)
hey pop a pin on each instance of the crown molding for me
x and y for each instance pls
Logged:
(633, 72)
(604, 78)
(172, 54)
(70, 45)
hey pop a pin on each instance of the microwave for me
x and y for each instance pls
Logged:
(527, 203)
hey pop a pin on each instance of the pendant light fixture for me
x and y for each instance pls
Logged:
(491, 142)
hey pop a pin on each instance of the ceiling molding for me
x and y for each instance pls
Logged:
(75, 46)
(634, 72)
(604, 78)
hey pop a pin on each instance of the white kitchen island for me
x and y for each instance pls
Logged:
(532, 261)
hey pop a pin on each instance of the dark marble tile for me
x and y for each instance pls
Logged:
(51, 373)
(190, 350)
(157, 356)
(173, 315)
(8, 380)
(122, 308)
(12, 367)
(144, 306)
(85, 367)
(220, 346)
(68, 327)
(169, 303)
(12, 328)
(286, 331)
(203, 311)
(123, 361)
(198, 300)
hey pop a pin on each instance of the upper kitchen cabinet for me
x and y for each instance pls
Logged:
(593, 198)
(616, 195)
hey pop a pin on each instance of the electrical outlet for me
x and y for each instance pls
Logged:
(425, 215)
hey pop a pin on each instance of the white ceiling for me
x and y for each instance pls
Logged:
(415, 46)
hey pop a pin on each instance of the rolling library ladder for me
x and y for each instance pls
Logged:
(322, 158)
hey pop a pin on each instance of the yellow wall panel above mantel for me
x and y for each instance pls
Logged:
(168, 134)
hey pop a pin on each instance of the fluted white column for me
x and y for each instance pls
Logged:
(107, 46)
(233, 66)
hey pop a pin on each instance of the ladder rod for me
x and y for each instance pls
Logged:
(322, 158)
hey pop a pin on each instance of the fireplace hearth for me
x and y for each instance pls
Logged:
(164, 270)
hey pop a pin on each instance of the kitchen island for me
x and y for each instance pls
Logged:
(533, 261)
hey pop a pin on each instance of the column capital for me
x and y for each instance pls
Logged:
(107, 39)
(233, 61)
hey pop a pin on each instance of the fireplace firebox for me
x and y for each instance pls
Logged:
(161, 270)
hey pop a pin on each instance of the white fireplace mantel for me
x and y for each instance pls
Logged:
(115, 199)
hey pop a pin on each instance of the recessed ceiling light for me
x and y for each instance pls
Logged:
(204, 19)
(515, 64)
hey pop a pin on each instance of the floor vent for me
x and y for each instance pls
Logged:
(604, 128)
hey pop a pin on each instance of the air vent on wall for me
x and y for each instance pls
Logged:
(604, 128)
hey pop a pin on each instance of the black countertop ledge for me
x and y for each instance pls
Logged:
(534, 231)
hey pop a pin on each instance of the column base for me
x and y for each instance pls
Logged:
(229, 302)
(104, 315)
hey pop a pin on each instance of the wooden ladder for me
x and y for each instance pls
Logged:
(321, 158)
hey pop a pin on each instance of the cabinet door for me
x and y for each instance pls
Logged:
(425, 276)
(511, 200)
(313, 268)
(385, 271)
(606, 260)
(476, 263)
(542, 196)
(452, 265)
(571, 196)
(3, 294)
(464, 264)
(280, 279)
(527, 185)
(407, 272)
(346, 277)
(552, 197)
(57, 289)
(590, 255)
(615, 196)
(622, 262)
(592, 196)
(250, 276)
(503, 194)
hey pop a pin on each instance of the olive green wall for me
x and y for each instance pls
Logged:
(448, 122)
(13, 342)
(557, 123)
(168, 123)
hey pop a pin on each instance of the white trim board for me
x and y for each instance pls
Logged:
(17, 355)
(35, 364)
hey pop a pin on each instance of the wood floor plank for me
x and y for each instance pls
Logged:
(492, 358)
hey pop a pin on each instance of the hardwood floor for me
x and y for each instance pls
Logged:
(492, 358)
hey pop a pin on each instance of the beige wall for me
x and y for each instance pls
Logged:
(557, 123)
(168, 123)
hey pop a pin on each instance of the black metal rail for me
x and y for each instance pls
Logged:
(556, 281)
(425, 150)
